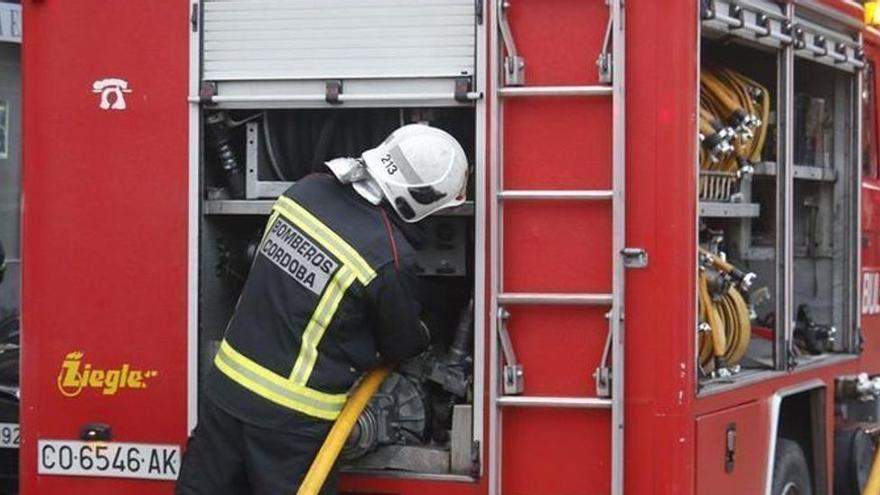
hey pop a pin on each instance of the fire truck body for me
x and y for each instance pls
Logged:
(137, 224)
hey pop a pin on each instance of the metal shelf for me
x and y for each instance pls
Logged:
(802, 172)
(729, 210)
(264, 206)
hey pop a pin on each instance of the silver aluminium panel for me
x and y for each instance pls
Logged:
(249, 40)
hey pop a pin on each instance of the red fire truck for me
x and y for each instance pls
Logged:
(666, 278)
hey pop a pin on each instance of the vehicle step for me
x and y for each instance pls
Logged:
(561, 299)
(519, 91)
(554, 402)
(560, 195)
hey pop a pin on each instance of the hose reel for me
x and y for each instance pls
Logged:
(725, 316)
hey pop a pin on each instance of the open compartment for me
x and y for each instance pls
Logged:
(824, 215)
(286, 86)
(738, 206)
(778, 240)
(422, 420)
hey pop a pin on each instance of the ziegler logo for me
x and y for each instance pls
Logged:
(75, 376)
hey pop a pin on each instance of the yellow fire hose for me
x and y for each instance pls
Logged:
(727, 317)
(872, 487)
(335, 440)
(725, 97)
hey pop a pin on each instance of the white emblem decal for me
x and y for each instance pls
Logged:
(112, 92)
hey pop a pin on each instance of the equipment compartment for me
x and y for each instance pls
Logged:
(286, 86)
(736, 280)
(782, 232)
(824, 223)
(421, 416)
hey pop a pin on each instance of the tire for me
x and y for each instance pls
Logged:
(791, 474)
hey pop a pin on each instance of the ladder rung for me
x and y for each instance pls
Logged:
(555, 91)
(555, 299)
(554, 402)
(582, 195)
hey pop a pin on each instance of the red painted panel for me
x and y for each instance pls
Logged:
(752, 425)
(557, 143)
(564, 452)
(559, 348)
(662, 67)
(557, 247)
(560, 39)
(105, 226)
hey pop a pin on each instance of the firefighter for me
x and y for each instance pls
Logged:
(331, 293)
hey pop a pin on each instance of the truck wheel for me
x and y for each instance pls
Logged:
(791, 476)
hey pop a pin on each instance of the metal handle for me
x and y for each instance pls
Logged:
(514, 65)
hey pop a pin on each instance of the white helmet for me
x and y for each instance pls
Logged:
(420, 170)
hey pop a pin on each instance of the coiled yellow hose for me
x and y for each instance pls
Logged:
(728, 318)
(726, 96)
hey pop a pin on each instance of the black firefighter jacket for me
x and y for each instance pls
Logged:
(331, 294)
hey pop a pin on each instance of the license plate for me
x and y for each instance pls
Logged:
(9, 437)
(108, 459)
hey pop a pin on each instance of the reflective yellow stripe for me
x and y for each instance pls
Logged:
(275, 388)
(326, 237)
(321, 318)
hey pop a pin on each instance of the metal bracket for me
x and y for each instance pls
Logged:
(736, 12)
(462, 89)
(332, 90)
(514, 65)
(194, 17)
(707, 9)
(605, 60)
(603, 381)
(797, 36)
(602, 375)
(512, 376)
(634, 257)
(764, 22)
(207, 92)
(475, 459)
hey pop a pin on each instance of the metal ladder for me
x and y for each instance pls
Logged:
(506, 378)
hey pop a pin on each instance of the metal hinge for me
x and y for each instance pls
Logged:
(634, 257)
(512, 371)
(475, 459)
(194, 17)
(478, 11)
